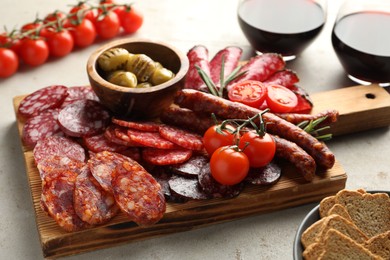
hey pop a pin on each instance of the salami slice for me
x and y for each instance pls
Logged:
(48, 166)
(57, 199)
(266, 175)
(197, 56)
(41, 100)
(58, 145)
(182, 137)
(231, 56)
(165, 157)
(110, 134)
(286, 78)
(120, 133)
(41, 126)
(78, 93)
(146, 126)
(99, 143)
(150, 139)
(214, 189)
(133, 153)
(102, 165)
(186, 188)
(83, 118)
(192, 167)
(92, 203)
(138, 194)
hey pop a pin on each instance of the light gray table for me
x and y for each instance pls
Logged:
(364, 156)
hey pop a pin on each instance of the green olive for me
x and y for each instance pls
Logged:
(161, 75)
(123, 78)
(158, 65)
(113, 59)
(144, 85)
(142, 66)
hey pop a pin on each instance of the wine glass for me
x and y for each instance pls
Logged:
(361, 40)
(286, 27)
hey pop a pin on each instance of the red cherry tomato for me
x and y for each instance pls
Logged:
(9, 62)
(34, 52)
(280, 99)
(260, 150)
(84, 34)
(108, 25)
(6, 41)
(229, 166)
(82, 10)
(60, 43)
(213, 139)
(249, 92)
(130, 19)
(55, 16)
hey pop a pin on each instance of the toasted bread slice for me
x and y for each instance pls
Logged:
(370, 212)
(313, 251)
(340, 210)
(309, 236)
(326, 204)
(379, 245)
(339, 246)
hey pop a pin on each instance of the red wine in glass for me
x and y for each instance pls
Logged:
(282, 26)
(362, 44)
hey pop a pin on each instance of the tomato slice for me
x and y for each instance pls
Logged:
(248, 92)
(280, 99)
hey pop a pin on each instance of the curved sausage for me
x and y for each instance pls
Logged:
(295, 118)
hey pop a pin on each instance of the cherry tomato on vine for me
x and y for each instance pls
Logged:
(84, 34)
(107, 25)
(229, 166)
(60, 43)
(34, 52)
(212, 139)
(280, 99)
(249, 92)
(7, 41)
(55, 16)
(83, 9)
(9, 62)
(259, 149)
(37, 26)
(130, 19)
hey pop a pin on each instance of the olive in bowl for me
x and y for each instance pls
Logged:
(136, 78)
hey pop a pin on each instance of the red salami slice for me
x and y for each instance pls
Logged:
(48, 166)
(214, 189)
(186, 188)
(41, 100)
(58, 145)
(122, 137)
(78, 93)
(102, 165)
(110, 134)
(192, 167)
(286, 78)
(182, 137)
(266, 175)
(138, 194)
(197, 56)
(99, 143)
(231, 56)
(41, 126)
(57, 199)
(146, 126)
(93, 204)
(150, 139)
(83, 118)
(165, 157)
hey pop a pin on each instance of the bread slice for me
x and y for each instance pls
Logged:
(326, 204)
(339, 246)
(309, 236)
(313, 251)
(340, 210)
(370, 212)
(380, 245)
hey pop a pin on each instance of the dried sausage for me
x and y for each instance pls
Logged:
(266, 175)
(141, 126)
(165, 157)
(231, 56)
(186, 188)
(182, 137)
(150, 139)
(197, 56)
(99, 143)
(294, 118)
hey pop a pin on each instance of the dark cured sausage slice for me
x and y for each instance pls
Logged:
(58, 145)
(40, 100)
(186, 188)
(197, 55)
(99, 143)
(165, 157)
(78, 93)
(57, 200)
(41, 126)
(92, 203)
(142, 126)
(231, 57)
(133, 153)
(214, 189)
(192, 167)
(266, 175)
(286, 78)
(83, 118)
(150, 139)
(137, 193)
(182, 137)
(49, 165)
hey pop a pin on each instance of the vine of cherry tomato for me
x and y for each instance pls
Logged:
(59, 33)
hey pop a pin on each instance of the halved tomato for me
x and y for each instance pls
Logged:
(280, 99)
(248, 92)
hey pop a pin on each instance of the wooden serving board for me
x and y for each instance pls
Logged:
(291, 190)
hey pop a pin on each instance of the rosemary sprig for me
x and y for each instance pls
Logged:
(310, 127)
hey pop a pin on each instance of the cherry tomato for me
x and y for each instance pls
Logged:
(84, 11)
(84, 34)
(130, 19)
(34, 52)
(229, 166)
(280, 99)
(108, 25)
(36, 26)
(212, 139)
(249, 92)
(9, 62)
(260, 150)
(60, 43)
(55, 16)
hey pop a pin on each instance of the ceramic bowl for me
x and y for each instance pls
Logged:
(139, 102)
